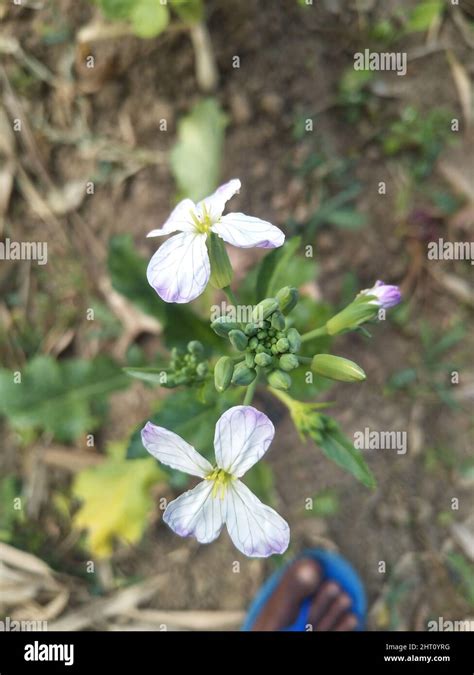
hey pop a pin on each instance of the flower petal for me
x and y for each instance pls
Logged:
(246, 232)
(256, 529)
(180, 269)
(179, 219)
(172, 450)
(242, 437)
(197, 513)
(215, 203)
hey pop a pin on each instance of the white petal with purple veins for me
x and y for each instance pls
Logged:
(245, 231)
(242, 437)
(172, 450)
(197, 513)
(214, 205)
(179, 220)
(180, 269)
(256, 529)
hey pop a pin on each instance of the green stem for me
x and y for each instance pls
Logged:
(248, 398)
(317, 332)
(230, 295)
(305, 359)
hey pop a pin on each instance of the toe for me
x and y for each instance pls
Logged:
(299, 581)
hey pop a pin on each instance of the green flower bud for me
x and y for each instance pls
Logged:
(260, 349)
(278, 321)
(288, 362)
(238, 339)
(221, 269)
(249, 360)
(294, 340)
(274, 349)
(337, 368)
(251, 329)
(279, 379)
(283, 345)
(243, 375)
(202, 369)
(222, 326)
(253, 343)
(264, 309)
(223, 372)
(263, 360)
(287, 298)
(195, 348)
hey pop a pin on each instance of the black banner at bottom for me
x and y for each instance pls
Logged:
(135, 652)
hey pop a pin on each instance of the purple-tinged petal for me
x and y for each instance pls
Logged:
(214, 205)
(170, 449)
(385, 296)
(197, 513)
(180, 269)
(180, 220)
(242, 437)
(256, 529)
(248, 232)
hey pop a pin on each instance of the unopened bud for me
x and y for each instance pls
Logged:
(279, 379)
(238, 339)
(243, 375)
(223, 372)
(337, 368)
(264, 309)
(287, 298)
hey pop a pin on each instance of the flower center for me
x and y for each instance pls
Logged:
(221, 480)
(203, 223)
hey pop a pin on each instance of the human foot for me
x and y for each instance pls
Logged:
(329, 609)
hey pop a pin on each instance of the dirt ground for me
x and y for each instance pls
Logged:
(291, 61)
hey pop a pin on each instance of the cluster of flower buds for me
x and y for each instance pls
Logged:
(187, 367)
(266, 343)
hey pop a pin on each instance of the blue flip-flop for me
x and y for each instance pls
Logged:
(334, 568)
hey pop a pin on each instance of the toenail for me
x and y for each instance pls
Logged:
(307, 572)
(343, 601)
(331, 588)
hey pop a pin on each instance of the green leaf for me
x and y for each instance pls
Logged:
(261, 481)
(116, 9)
(196, 156)
(9, 490)
(127, 271)
(423, 15)
(341, 451)
(190, 11)
(149, 18)
(325, 503)
(347, 219)
(182, 324)
(152, 375)
(64, 398)
(116, 502)
(273, 271)
(464, 571)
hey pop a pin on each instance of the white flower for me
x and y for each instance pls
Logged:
(242, 437)
(180, 269)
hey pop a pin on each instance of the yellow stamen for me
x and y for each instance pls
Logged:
(221, 480)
